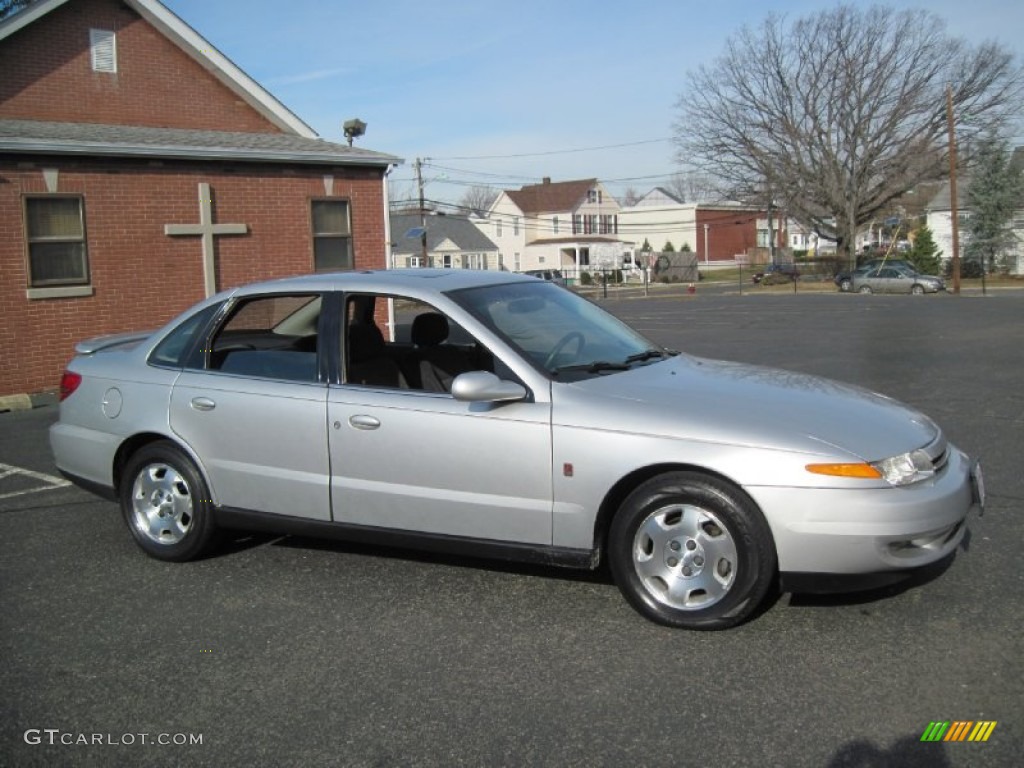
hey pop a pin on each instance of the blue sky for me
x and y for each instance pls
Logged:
(478, 86)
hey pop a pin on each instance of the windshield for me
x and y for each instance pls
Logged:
(559, 332)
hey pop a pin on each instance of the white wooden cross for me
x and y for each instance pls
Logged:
(206, 229)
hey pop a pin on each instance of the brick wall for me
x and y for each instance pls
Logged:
(729, 233)
(142, 277)
(47, 75)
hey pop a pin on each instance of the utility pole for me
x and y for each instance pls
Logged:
(954, 213)
(423, 213)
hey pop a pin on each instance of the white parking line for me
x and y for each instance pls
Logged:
(51, 482)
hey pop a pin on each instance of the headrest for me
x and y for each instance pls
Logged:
(429, 329)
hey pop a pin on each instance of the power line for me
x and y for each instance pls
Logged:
(556, 151)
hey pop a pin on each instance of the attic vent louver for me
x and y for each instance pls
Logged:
(103, 50)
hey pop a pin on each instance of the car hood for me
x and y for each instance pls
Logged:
(734, 403)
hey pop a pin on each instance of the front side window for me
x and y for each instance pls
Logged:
(557, 331)
(332, 236)
(429, 349)
(55, 227)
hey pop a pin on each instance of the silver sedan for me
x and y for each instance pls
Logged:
(499, 415)
(894, 279)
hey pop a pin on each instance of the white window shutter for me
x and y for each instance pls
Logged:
(103, 50)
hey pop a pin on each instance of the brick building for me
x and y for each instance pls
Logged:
(141, 170)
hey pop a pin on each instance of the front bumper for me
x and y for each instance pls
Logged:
(849, 531)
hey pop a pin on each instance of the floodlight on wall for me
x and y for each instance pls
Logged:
(353, 128)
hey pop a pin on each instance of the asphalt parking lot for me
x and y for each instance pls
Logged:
(286, 651)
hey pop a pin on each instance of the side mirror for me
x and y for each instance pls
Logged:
(484, 387)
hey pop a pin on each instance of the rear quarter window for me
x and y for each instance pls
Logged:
(174, 349)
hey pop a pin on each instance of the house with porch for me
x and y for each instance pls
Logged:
(567, 225)
(141, 170)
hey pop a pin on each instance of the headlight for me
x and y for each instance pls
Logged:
(906, 468)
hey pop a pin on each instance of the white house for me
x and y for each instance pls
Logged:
(568, 225)
(940, 222)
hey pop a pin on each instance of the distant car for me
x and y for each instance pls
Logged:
(777, 274)
(551, 275)
(503, 416)
(896, 280)
(844, 280)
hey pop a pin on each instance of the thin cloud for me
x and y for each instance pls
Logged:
(305, 77)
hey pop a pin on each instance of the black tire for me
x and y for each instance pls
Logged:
(864, 289)
(722, 547)
(917, 289)
(845, 286)
(166, 503)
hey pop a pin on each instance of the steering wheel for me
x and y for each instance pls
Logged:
(563, 343)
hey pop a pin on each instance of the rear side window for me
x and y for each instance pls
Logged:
(174, 349)
(270, 337)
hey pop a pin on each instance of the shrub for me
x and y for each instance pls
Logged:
(586, 279)
(968, 268)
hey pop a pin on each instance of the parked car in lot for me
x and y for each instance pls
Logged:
(844, 280)
(895, 280)
(497, 415)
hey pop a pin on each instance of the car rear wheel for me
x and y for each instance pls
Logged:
(917, 290)
(691, 551)
(166, 504)
(845, 286)
(864, 289)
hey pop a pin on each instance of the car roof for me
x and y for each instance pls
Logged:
(416, 280)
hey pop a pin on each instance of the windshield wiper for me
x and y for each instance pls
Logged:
(598, 366)
(647, 354)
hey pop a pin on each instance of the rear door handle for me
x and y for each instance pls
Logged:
(203, 404)
(364, 422)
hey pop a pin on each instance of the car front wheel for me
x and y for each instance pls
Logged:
(166, 504)
(917, 290)
(691, 551)
(845, 286)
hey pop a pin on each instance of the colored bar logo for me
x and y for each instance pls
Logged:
(958, 730)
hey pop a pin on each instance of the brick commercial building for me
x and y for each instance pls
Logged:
(141, 170)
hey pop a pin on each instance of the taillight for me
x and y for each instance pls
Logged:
(69, 383)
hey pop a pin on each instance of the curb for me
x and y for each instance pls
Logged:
(23, 402)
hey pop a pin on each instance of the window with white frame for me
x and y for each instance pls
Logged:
(55, 229)
(497, 228)
(515, 225)
(577, 223)
(103, 50)
(332, 236)
(446, 260)
(554, 225)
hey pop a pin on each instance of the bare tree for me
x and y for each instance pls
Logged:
(478, 199)
(839, 113)
(692, 187)
(630, 197)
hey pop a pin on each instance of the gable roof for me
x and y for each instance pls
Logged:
(48, 138)
(458, 229)
(659, 196)
(549, 197)
(196, 47)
